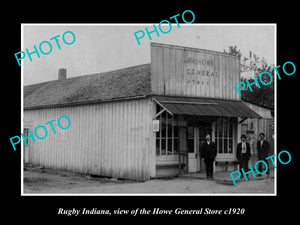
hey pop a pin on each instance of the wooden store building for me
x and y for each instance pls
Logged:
(144, 121)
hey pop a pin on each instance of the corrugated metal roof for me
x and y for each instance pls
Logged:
(206, 107)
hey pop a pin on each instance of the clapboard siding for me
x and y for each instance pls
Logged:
(109, 139)
(214, 75)
(253, 127)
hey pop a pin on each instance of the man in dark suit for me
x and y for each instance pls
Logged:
(243, 153)
(209, 152)
(263, 149)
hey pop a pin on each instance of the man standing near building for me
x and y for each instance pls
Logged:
(243, 153)
(263, 149)
(209, 152)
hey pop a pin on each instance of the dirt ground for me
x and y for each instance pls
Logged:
(41, 181)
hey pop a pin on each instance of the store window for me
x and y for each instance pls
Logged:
(167, 136)
(224, 135)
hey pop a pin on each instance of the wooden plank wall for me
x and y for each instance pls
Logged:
(110, 139)
(263, 125)
(180, 71)
(252, 127)
(259, 126)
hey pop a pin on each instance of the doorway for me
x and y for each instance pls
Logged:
(195, 139)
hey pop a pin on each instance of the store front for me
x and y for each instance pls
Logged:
(194, 95)
(183, 125)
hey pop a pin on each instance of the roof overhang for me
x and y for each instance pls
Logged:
(204, 107)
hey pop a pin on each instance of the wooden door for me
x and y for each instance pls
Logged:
(192, 149)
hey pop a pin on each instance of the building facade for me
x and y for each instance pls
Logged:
(252, 127)
(144, 121)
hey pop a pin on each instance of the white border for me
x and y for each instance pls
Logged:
(156, 194)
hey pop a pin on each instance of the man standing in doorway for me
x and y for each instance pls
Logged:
(209, 152)
(263, 149)
(243, 153)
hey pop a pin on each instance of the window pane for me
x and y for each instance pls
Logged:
(225, 145)
(170, 130)
(157, 146)
(169, 147)
(220, 146)
(163, 129)
(190, 145)
(230, 149)
(231, 129)
(221, 128)
(175, 146)
(190, 132)
(176, 131)
(225, 125)
(163, 146)
(167, 124)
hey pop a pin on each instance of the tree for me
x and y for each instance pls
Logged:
(253, 65)
(233, 50)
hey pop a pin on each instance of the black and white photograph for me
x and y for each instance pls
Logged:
(116, 114)
(144, 112)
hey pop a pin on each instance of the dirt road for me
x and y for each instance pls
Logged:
(47, 182)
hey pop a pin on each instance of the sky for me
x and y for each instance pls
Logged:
(106, 47)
